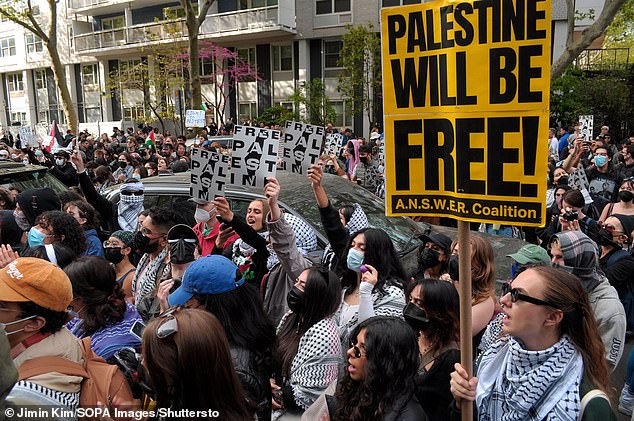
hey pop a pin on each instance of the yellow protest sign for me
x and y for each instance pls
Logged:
(466, 93)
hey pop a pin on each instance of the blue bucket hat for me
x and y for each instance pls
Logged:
(210, 275)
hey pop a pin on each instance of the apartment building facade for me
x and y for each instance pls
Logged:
(289, 42)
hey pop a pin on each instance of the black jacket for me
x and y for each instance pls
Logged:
(254, 379)
(66, 174)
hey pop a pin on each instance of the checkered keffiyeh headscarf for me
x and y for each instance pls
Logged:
(130, 206)
(581, 257)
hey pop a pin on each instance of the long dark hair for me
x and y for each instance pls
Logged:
(63, 254)
(64, 225)
(94, 281)
(86, 211)
(392, 359)
(565, 292)
(241, 314)
(322, 295)
(441, 302)
(192, 368)
(379, 253)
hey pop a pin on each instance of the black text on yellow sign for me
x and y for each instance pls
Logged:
(466, 92)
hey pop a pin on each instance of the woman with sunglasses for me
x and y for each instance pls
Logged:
(625, 203)
(433, 312)
(548, 359)
(186, 355)
(118, 251)
(375, 384)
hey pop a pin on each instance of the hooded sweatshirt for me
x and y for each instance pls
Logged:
(580, 255)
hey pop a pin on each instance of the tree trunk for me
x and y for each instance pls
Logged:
(194, 66)
(598, 27)
(59, 72)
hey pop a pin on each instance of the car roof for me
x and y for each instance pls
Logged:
(11, 167)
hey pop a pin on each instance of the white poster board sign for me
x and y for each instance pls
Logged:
(254, 155)
(333, 143)
(209, 174)
(586, 123)
(28, 137)
(195, 118)
(304, 143)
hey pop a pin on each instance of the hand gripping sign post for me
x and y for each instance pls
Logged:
(210, 170)
(303, 145)
(254, 155)
(466, 93)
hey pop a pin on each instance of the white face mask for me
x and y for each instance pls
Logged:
(4, 325)
(59, 162)
(201, 215)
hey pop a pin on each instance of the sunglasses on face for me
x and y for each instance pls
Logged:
(355, 349)
(516, 296)
(132, 193)
(611, 229)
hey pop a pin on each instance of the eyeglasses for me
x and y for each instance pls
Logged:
(516, 296)
(170, 325)
(132, 193)
(108, 245)
(611, 229)
(147, 232)
(355, 349)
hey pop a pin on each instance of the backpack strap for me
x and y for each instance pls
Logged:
(43, 365)
(594, 393)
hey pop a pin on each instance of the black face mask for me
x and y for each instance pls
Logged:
(123, 164)
(604, 238)
(428, 258)
(295, 300)
(182, 252)
(454, 268)
(626, 196)
(113, 254)
(563, 180)
(144, 244)
(415, 317)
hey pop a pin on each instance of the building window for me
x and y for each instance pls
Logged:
(282, 58)
(343, 113)
(325, 7)
(247, 111)
(43, 117)
(7, 47)
(15, 82)
(90, 75)
(390, 3)
(206, 66)
(247, 55)
(254, 4)
(40, 79)
(133, 113)
(33, 43)
(116, 22)
(332, 50)
(19, 117)
(93, 115)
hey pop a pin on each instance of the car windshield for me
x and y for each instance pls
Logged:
(32, 180)
(403, 231)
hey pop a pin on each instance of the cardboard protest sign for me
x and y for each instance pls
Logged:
(28, 137)
(254, 155)
(210, 171)
(466, 88)
(586, 123)
(195, 118)
(333, 142)
(304, 143)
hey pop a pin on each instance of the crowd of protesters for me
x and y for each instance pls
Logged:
(235, 314)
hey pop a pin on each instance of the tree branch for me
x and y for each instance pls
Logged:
(202, 11)
(13, 17)
(610, 8)
(570, 15)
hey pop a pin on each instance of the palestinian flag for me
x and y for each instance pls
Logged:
(55, 140)
(150, 141)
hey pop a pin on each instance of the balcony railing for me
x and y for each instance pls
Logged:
(252, 20)
(604, 59)
(81, 4)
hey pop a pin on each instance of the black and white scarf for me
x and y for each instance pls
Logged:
(518, 384)
(130, 206)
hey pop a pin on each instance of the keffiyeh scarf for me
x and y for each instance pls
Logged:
(517, 384)
(130, 206)
(581, 257)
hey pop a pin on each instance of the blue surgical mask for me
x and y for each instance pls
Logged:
(600, 160)
(74, 313)
(136, 176)
(35, 238)
(355, 260)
